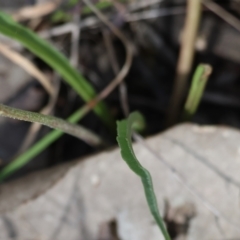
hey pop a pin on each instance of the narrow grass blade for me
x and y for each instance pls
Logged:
(52, 122)
(55, 59)
(38, 147)
(197, 88)
(124, 129)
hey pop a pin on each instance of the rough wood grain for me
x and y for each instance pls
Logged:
(74, 201)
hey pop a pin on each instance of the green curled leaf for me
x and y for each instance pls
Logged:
(124, 129)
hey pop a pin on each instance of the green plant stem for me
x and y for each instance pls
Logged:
(197, 88)
(52, 122)
(41, 145)
(56, 60)
(124, 129)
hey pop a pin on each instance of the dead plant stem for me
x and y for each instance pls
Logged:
(129, 55)
(222, 13)
(185, 60)
(115, 66)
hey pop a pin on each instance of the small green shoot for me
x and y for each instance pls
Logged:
(124, 129)
(196, 91)
(56, 60)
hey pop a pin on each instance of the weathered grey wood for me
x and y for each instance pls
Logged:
(74, 201)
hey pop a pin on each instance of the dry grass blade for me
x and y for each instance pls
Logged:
(75, 36)
(134, 6)
(35, 127)
(185, 60)
(58, 31)
(129, 55)
(154, 13)
(222, 13)
(36, 11)
(29, 67)
(115, 67)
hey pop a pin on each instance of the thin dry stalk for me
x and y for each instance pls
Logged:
(75, 36)
(185, 60)
(35, 127)
(128, 17)
(125, 69)
(59, 30)
(135, 6)
(28, 66)
(154, 13)
(115, 66)
(36, 11)
(222, 13)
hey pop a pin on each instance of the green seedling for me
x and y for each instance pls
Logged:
(124, 130)
(196, 91)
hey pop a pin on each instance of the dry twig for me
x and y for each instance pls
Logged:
(36, 11)
(222, 13)
(185, 60)
(91, 21)
(35, 127)
(115, 67)
(29, 67)
(125, 69)
(153, 13)
(75, 36)
(137, 5)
